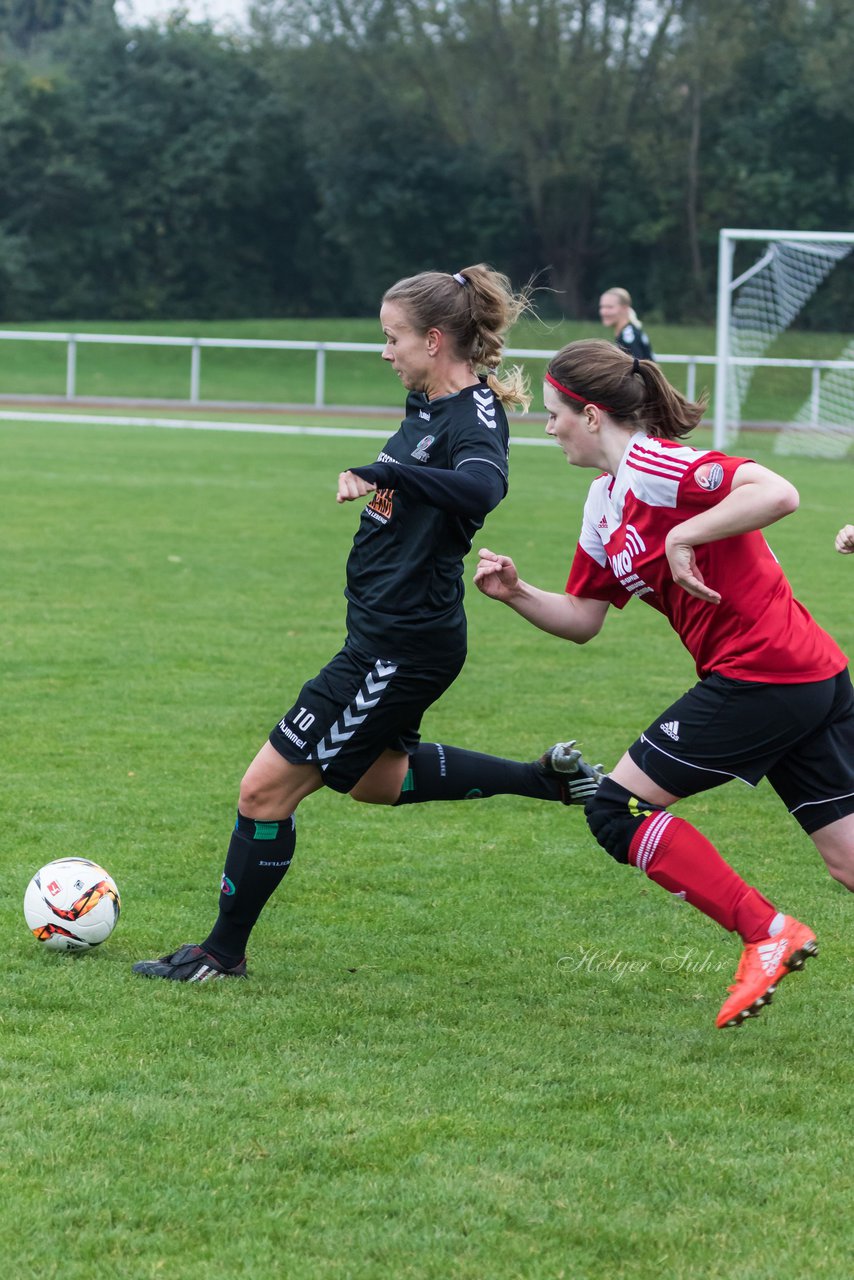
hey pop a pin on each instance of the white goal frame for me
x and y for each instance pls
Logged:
(727, 240)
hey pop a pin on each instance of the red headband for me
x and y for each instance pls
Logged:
(573, 395)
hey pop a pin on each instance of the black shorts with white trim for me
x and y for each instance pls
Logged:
(798, 736)
(357, 707)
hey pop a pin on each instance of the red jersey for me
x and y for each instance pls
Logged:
(759, 631)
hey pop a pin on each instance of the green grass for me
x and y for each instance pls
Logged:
(471, 1046)
(356, 379)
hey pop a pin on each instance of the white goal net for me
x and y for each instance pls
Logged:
(812, 409)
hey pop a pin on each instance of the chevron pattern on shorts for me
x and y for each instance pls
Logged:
(367, 696)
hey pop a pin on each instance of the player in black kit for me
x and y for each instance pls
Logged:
(617, 313)
(355, 726)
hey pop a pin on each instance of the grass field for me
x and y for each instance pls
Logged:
(356, 379)
(471, 1046)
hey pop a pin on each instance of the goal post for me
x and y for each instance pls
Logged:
(755, 308)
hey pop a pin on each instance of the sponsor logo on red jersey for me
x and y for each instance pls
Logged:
(622, 563)
(709, 476)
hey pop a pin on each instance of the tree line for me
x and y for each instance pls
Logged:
(301, 165)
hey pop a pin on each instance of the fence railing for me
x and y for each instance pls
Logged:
(196, 346)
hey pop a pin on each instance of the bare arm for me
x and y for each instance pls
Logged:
(758, 497)
(570, 617)
(845, 540)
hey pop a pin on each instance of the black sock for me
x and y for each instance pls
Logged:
(437, 772)
(258, 857)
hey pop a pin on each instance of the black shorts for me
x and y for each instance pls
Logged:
(798, 736)
(359, 706)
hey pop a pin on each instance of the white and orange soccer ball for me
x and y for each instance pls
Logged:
(72, 904)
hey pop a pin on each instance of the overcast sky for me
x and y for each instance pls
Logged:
(222, 13)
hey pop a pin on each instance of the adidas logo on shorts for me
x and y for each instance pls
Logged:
(671, 728)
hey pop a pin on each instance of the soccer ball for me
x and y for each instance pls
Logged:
(71, 905)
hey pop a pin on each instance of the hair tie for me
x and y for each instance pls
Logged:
(460, 279)
(636, 365)
(573, 395)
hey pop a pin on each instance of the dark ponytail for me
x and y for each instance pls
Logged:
(633, 391)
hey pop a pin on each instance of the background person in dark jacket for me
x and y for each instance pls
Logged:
(616, 311)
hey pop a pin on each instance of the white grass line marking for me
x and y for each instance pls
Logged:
(189, 424)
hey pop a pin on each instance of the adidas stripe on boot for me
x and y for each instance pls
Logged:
(189, 963)
(762, 965)
(578, 780)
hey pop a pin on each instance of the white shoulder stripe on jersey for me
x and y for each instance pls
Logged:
(645, 458)
(652, 469)
(680, 455)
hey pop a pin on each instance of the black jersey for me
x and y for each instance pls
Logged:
(404, 572)
(633, 340)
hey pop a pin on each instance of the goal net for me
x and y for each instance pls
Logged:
(811, 404)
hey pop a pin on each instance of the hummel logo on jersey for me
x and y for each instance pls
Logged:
(671, 728)
(770, 954)
(485, 408)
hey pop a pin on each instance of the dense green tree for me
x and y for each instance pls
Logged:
(529, 94)
(159, 174)
(399, 192)
(172, 170)
(23, 21)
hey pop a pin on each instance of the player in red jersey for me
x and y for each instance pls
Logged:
(678, 527)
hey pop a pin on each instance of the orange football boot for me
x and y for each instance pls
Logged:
(761, 967)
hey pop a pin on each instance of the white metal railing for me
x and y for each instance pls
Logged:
(690, 361)
(195, 344)
(72, 340)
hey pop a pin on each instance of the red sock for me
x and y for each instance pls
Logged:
(679, 858)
